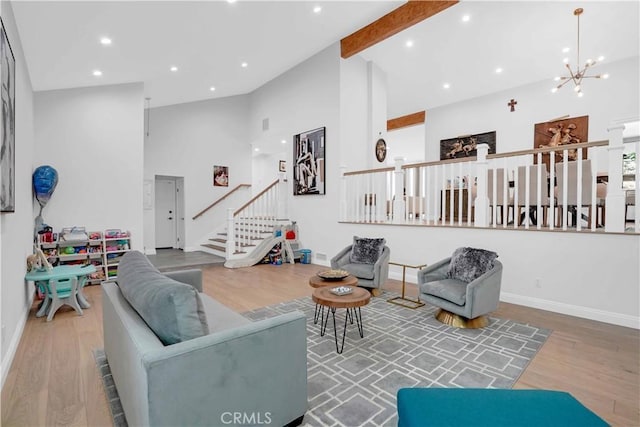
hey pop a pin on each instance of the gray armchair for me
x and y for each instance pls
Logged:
(371, 276)
(461, 304)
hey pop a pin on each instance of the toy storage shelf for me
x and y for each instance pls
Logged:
(116, 244)
(102, 250)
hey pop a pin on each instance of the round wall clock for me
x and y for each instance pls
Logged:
(381, 150)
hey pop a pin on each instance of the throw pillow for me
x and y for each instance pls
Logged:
(467, 264)
(172, 310)
(366, 251)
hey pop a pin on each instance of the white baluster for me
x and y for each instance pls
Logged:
(230, 245)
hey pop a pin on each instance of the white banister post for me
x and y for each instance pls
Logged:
(231, 235)
(482, 201)
(282, 198)
(343, 194)
(399, 202)
(615, 195)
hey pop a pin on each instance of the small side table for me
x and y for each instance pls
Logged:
(402, 300)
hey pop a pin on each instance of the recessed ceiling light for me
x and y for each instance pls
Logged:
(565, 50)
(498, 70)
(409, 43)
(244, 65)
(284, 141)
(174, 68)
(446, 85)
(256, 149)
(212, 89)
(105, 41)
(231, 1)
(317, 9)
(97, 73)
(466, 18)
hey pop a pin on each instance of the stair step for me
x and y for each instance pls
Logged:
(218, 248)
(238, 236)
(223, 241)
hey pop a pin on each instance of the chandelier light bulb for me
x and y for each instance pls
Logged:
(600, 58)
(605, 76)
(577, 88)
(565, 60)
(565, 50)
(589, 61)
(554, 90)
(556, 79)
(580, 94)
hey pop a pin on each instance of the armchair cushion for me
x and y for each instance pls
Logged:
(362, 271)
(452, 290)
(468, 264)
(366, 251)
(172, 310)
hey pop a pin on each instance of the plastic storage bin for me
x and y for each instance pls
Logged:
(305, 257)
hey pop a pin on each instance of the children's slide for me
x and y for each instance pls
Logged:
(261, 251)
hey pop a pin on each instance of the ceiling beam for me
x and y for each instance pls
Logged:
(406, 121)
(403, 17)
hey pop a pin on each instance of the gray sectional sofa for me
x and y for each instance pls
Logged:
(223, 371)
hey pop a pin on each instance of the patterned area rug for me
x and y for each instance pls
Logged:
(401, 348)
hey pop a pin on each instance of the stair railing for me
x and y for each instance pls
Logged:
(255, 219)
(202, 212)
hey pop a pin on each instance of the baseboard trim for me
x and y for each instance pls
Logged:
(7, 361)
(573, 310)
(149, 251)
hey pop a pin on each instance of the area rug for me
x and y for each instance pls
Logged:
(401, 348)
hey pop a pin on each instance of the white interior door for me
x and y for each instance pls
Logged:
(165, 213)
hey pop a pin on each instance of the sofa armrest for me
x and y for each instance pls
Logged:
(341, 258)
(258, 368)
(191, 277)
(433, 272)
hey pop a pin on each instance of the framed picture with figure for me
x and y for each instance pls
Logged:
(309, 162)
(282, 166)
(7, 149)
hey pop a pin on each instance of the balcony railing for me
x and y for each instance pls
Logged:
(571, 187)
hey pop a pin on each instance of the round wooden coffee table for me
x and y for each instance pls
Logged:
(323, 297)
(316, 281)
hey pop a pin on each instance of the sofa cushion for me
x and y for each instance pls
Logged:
(452, 290)
(173, 310)
(366, 251)
(467, 264)
(220, 317)
(361, 271)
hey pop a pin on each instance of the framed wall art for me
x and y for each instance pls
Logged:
(381, 150)
(561, 132)
(466, 146)
(220, 176)
(7, 149)
(282, 166)
(309, 162)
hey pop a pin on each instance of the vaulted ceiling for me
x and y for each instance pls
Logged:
(209, 40)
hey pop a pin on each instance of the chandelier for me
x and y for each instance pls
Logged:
(580, 73)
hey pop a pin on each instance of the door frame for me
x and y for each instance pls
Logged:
(179, 231)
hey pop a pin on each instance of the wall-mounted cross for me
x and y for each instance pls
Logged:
(512, 104)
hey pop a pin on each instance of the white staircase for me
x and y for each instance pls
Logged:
(250, 229)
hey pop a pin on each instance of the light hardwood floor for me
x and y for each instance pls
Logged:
(54, 380)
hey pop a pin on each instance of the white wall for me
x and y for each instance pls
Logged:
(354, 111)
(16, 229)
(187, 140)
(266, 169)
(604, 101)
(581, 274)
(407, 143)
(304, 98)
(93, 137)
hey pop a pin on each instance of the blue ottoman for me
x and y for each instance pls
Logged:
(458, 407)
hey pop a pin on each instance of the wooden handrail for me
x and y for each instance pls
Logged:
(253, 199)
(220, 200)
(490, 156)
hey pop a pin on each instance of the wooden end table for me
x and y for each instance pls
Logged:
(316, 281)
(402, 300)
(325, 298)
